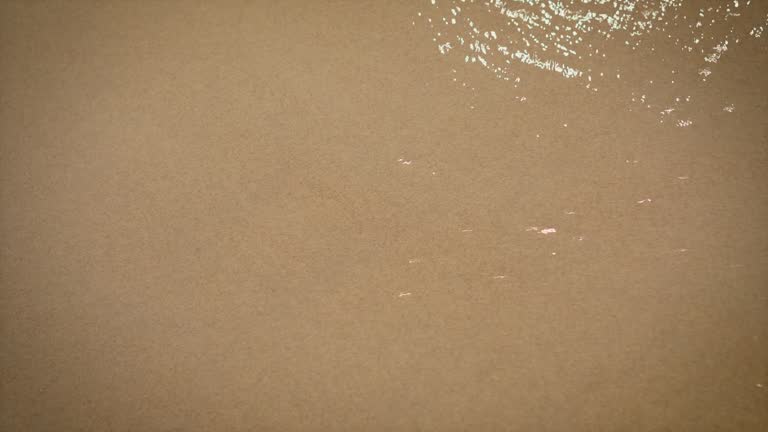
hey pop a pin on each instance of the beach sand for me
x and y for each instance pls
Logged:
(287, 216)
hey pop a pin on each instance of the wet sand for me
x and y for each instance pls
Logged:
(286, 216)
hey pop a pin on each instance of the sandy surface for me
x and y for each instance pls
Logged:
(286, 216)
